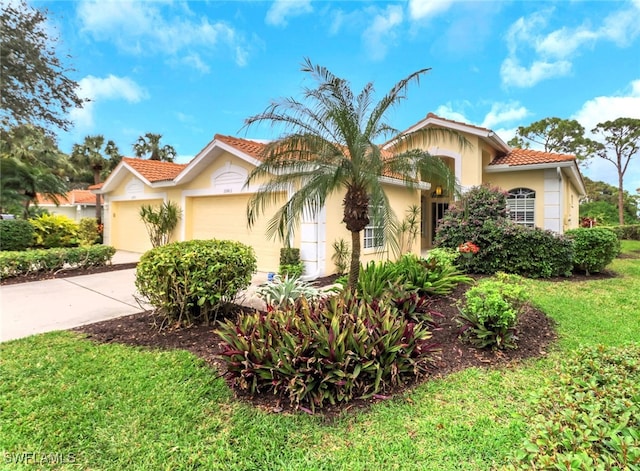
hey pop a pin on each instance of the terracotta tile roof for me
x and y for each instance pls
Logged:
(154, 170)
(72, 197)
(97, 186)
(252, 148)
(530, 157)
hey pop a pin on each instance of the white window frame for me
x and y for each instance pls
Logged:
(522, 206)
(373, 236)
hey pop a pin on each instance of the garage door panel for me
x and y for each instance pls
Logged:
(128, 232)
(225, 217)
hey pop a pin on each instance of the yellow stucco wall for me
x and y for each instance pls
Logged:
(400, 200)
(532, 179)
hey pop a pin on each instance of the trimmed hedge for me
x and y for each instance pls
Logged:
(54, 230)
(481, 217)
(189, 281)
(594, 248)
(48, 260)
(15, 234)
(628, 232)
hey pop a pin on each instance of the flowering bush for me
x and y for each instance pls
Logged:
(468, 247)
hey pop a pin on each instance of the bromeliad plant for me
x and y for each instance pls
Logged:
(490, 312)
(284, 293)
(327, 352)
(435, 277)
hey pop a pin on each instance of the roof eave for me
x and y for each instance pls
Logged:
(571, 165)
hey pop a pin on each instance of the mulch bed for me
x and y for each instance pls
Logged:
(66, 273)
(535, 330)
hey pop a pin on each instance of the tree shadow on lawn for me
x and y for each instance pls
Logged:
(535, 332)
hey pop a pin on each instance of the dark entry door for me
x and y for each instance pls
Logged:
(437, 212)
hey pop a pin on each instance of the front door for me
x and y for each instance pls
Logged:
(437, 212)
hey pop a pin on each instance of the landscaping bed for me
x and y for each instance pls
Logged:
(535, 329)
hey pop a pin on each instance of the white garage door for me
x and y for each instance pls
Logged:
(224, 217)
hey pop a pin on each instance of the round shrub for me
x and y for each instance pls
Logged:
(188, 282)
(481, 217)
(54, 230)
(15, 234)
(594, 248)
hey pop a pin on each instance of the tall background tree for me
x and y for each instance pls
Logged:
(329, 146)
(95, 158)
(30, 163)
(565, 136)
(619, 143)
(148, 146)
(601, 204)
(34, 86)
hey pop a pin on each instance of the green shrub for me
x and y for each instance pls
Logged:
(292, 271)
(589, 416)
(15, 234)
(284, 293)
(188, 282)
(442, 256)
(329, 352)
(290, 263)
(490, 312)
(88, 233)
(378, 279)
(627, 232)
(481, 217)
(594, 248)
(435, 277)
(47, 260)
(54, 230)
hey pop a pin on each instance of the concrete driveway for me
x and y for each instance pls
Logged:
(63, 303)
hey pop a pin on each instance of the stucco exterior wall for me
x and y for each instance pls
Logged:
(532, 179)
(399, 198)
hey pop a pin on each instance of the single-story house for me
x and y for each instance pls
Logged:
(544, 191)
(75, 204)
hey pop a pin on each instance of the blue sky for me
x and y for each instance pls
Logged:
(189, 70)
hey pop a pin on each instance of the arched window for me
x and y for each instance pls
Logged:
(522, 206)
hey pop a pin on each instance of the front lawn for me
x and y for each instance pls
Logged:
(116, 407)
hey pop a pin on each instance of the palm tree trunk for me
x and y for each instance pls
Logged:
(354, 270)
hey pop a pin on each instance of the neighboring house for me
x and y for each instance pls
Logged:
(76, 204)
(544, 190)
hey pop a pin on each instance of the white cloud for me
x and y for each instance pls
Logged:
(625, 104)
(447, 111)
(281, 10)
(504, 113)
(98, 89)
(380, 33)
(139, 27)
(552, 52)
(513, 73)
(420, 9)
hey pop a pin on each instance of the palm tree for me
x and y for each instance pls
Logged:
(329, 146)
(149, 144)
(91, 155)
(30, 163)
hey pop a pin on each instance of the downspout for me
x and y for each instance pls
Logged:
(561, 199)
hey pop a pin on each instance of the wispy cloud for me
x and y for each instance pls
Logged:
(552, 52)
(423, 9)
(137, 27)
(282, 10)
(380, 34)
(97, 89)
(504, 113)
(624, 104)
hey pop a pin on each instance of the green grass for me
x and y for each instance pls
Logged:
(115, 407)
